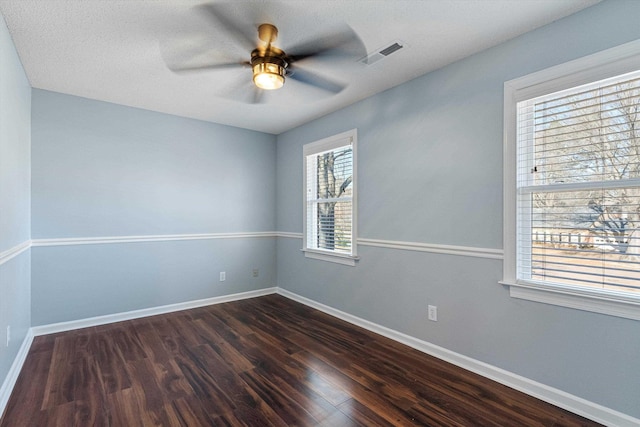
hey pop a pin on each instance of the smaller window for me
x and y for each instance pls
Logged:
(330, 198)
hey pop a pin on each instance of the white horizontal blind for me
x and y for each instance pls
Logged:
(578, 179)
(329, 199)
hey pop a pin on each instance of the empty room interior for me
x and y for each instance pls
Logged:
(320, 213)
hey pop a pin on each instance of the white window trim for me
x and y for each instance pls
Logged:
(601, 65)
(350, 136)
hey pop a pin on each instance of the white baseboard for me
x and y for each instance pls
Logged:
(14, 371)
(543, 392)
(136, 314)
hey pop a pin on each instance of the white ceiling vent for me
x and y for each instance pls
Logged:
(383, 52)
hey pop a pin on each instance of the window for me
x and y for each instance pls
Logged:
(330, 198)
(572, 184)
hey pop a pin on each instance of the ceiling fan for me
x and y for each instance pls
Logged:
(271, 66)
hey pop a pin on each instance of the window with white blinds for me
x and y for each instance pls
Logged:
(575, 156)
(579, 185)
(329, 200)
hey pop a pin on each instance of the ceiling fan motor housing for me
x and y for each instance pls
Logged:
(269, 68)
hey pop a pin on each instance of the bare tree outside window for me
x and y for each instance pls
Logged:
(334, 177)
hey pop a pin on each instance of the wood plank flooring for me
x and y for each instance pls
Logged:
(265, 361)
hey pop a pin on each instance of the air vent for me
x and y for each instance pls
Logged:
(382, 52)
(389, 50)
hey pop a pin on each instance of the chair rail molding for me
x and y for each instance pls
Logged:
(71, 241)
(13, 252)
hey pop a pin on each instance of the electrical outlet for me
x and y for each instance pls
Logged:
(223, 276)
(8, 335)
(255, 272)
(433, 313)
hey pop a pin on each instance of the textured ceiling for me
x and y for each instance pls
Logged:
(115, 50)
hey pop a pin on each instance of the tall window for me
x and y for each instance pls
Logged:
(329, 203)
(577, 194)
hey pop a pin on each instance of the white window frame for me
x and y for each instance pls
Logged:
(609, 63)
(346, 138)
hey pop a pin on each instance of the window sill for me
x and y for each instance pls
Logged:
(611, 303)
(331, 257)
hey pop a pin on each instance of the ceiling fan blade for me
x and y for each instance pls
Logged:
(196, 53)
(310, 78)
(245, 35)
(258, 96)
(207, 67)
(245, 94)
(344, 43)
(240, 90)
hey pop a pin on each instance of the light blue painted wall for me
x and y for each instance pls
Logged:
(430, 171)
(83, 281)
(15, 131)
(101, 169)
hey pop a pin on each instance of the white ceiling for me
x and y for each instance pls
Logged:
(110, 50)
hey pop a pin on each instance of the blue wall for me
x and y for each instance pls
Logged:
(104, 170)
(430, 171)
(15, 131)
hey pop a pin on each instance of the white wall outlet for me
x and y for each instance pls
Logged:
(8, 335)
(223, 276)
(255, 272)
(433, 313)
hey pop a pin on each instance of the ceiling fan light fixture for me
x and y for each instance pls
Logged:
(268, 74)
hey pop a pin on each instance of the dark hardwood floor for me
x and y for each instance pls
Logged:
(258, 362)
